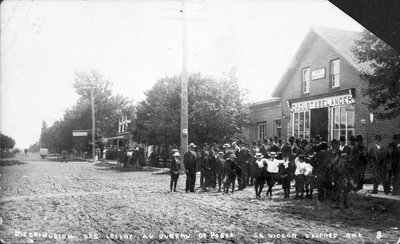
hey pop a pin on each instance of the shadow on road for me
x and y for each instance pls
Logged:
(10, 163)
(120, 169)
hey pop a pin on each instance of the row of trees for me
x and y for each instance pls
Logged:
(218, 110)
(108, 108)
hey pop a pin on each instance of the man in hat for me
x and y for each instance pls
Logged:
(154, 157)
(206, 170)
(343, 148)
(260, 168)
(243, 157)
(189, 160)
(358, 161)
(378, 157)
(220, 169)
(394, 163)
(175, 170)
(320, 163)
(227, 150)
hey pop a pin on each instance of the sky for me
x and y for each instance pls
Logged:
(135, 43)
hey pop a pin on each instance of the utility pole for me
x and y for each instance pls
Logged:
(184, 85)
(93, 126)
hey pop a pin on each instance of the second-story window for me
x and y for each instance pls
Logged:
(306, 80)
(335, 73)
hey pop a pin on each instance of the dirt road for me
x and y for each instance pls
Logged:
(75, 202)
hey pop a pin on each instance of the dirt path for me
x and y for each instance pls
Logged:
(104, 204)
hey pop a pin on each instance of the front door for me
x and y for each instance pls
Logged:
(319, 123)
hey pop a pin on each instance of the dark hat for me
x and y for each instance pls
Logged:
(396, 136)
(304, 141)
(378, 137)
(292, 138)
(323, 145)
(302, 156)
(334, 141)
(359, 138)
(342, 138)
(352, 138)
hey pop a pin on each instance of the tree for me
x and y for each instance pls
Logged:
(108, 108)
(384, 79)
(217, 110)
(6, 142)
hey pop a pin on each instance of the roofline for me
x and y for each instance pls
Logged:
(293, 61)
(274, 99)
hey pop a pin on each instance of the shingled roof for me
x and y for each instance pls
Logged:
(340, 40)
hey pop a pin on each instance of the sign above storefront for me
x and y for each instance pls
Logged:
(318, 74)
(323, 102)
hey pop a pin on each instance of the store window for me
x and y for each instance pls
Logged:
(278, 128)
(335, 73)
(306, 80)
(301, 125)
(262, 131)
(342, 122)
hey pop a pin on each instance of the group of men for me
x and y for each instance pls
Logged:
(332, 169)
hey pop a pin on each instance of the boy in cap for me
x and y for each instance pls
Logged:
(284, 175)
(299, 176)
(273, 169)
(260, 167)
(175, 170)
(231, 168)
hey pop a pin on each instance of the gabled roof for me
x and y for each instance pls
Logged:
(340, 40)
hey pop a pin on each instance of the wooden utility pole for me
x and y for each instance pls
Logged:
(184, 86)
(93, 126)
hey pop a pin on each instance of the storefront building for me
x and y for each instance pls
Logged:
(322, 93)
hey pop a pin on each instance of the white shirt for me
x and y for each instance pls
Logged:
(300, 167)
(308, 169)
(273, 165)
(260, 163)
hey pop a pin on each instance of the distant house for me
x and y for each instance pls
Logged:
(321, 93)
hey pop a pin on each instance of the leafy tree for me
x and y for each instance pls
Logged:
(108, 108)
(216, 110)
(384, 79)
(6, 142)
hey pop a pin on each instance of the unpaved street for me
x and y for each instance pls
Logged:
(75, 202)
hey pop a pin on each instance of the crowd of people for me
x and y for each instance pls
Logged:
(332, 169)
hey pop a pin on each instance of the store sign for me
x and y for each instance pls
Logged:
(323, 102)
(79, 133)
(318, 74)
